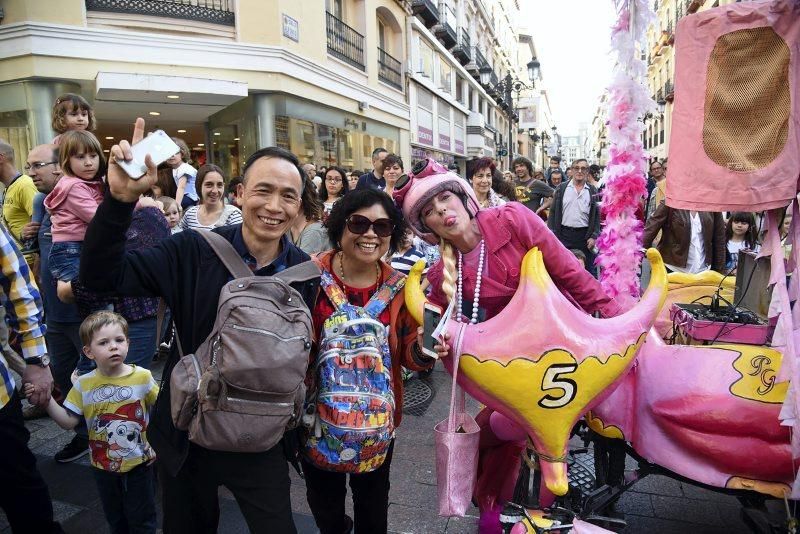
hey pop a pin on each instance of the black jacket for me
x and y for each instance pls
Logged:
(557, 209)
(187, 274)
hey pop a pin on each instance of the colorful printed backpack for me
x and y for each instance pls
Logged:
(350, 415)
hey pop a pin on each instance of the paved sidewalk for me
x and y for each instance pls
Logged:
(655, 505)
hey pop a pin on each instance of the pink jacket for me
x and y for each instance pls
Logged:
(72, 204)
(509, 232)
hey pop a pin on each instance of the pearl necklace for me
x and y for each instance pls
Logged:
(460, 293)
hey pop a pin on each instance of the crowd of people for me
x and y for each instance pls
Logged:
(100, 270)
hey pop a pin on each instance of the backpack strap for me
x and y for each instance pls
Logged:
(332, 289)
(302, 272)
(384, 295)
(227, 254)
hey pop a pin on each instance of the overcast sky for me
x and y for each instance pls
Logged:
(572, 40)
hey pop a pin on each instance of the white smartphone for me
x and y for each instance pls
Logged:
(160, 147)
(431, 316)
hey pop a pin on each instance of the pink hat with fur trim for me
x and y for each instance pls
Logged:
(425, 181)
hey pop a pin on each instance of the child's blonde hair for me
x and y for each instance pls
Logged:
(79, 142)
(92, 324)
(168, 202)
(66, 103)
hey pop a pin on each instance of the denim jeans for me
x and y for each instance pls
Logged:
(129, 499)
(65, 259)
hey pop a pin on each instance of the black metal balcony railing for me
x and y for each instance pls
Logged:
(669, 28)
(213, 11)
(427, 11)
(389, 69)
(480, 60)
(345, 43)
(446, 29)
(463, 50)
(659, 95)
(669, 89)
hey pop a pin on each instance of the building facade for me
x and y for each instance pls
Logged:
(454, 117)
(325, 79)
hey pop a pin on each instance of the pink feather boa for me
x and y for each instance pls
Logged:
(620, 241)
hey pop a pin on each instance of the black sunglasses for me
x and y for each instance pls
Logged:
(358, 224)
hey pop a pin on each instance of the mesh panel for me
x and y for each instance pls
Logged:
(747, 102)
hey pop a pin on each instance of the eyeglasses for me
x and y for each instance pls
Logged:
(358, 224)
(580, 170)
(38, 165)
(656, 168)
(333, 180)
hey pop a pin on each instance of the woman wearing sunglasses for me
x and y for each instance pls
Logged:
(363, 226)
(482, 251)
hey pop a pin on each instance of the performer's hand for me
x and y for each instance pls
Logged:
(590, 243)
(442, 350)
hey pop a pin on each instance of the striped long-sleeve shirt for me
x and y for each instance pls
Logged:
(24, 311)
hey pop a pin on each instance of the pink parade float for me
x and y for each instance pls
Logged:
(724, 416)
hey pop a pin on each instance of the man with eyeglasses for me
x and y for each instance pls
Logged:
(656, 186)
(63, 320)
(18, 198)
(575, 216)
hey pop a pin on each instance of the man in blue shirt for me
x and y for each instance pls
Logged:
(374, 178)
(63, 320)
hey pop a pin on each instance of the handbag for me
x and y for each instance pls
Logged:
(457, 440)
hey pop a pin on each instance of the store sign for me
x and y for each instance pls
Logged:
(424, 135)
(291, 28)
(459, 146)
(444, 142)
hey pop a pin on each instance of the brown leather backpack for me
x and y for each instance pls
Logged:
(243, 387)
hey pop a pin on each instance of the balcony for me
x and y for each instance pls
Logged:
(389, 70)
(211, 11)
(445, 31)
(345, 43)
(463, 49)
(669, 91)
(475, 67)
(670, 34)
(659, 95)
(427, 11)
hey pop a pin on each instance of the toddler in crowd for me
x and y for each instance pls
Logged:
(184, 175)
(741, 234)
(72, 112)
(172, 212)
(115, 399)
(72, 204)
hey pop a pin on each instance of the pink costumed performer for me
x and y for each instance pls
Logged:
(482, 252)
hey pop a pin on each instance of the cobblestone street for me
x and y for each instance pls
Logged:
(655, 505)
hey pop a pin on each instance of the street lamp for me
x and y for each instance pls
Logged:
(506, 89)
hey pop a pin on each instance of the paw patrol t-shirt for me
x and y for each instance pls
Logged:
(116, 411)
